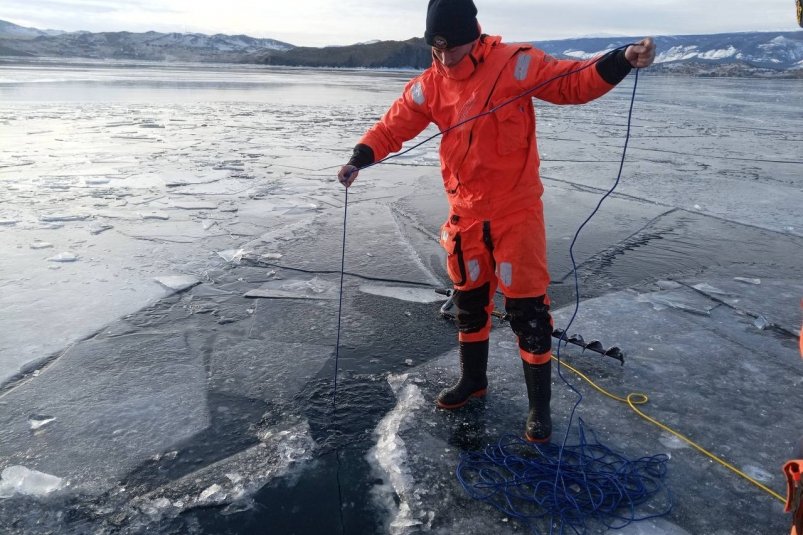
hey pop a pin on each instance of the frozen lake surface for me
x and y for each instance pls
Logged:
(170, 242)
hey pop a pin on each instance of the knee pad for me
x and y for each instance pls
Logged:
(530, 320)
(471, 307)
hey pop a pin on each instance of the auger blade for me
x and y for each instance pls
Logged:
(595, 346)
(616, 353)
(577, 339)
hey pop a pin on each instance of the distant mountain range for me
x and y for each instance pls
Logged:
(150, 46)
(765, 54)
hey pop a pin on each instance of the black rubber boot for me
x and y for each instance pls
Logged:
(473, 382)
(539, 392)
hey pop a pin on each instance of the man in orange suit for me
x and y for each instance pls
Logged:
(494, 235)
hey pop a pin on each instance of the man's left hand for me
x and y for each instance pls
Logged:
(641, 55)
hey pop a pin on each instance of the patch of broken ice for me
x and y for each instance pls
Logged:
(404, 293)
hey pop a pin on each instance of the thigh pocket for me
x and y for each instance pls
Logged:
(451, 241)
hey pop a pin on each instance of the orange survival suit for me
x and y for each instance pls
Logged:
(794, 485)
(494, 234)
(794, 494)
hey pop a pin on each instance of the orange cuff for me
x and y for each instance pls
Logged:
(530, 358)
(479, 336)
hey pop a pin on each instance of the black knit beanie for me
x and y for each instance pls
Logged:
(451, 23)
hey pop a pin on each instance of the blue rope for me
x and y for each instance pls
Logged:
(340, 303)
(337, 356)
(596, 484)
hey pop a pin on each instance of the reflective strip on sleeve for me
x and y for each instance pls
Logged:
(522, 66)
(417, 94)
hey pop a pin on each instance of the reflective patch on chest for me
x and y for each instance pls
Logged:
(522, 67)
(505, 273)
(417, 93)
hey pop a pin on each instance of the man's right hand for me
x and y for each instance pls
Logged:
(347, 174)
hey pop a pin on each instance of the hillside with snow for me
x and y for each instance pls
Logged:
(748, 53)
(759, 54)
(148, 46)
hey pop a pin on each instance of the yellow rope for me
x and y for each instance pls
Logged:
(637, 398)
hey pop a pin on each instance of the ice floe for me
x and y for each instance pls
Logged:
(177, 283)
(65, 257)
(21, 480)
(404, 293)
(315, 288)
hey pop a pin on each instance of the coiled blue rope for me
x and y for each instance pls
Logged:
(569, 487)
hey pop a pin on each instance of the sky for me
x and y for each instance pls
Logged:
(342, 22)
